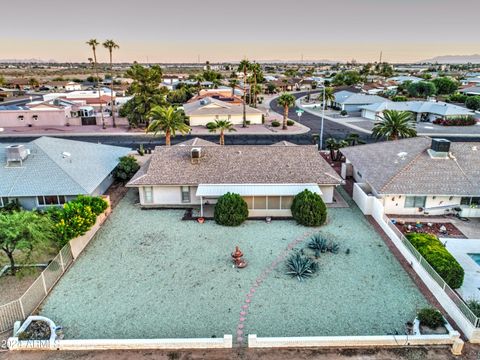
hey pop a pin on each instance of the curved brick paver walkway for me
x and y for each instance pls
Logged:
(241, 330)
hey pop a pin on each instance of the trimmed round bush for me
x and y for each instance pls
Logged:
(275, 123)
(473, 103)
(344, 113)
(432, 249)
(431, 318)
(290, 122)
(230, 210)
(309, 209)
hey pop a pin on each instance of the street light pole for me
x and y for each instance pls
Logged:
(323, 115)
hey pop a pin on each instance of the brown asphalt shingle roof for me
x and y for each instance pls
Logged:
(236, 164)
(405, 167)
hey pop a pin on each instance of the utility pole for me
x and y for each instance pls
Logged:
(323, 115)
(381, 54)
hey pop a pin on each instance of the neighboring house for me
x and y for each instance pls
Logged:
(424, 111)
(472, 90)
(201, 112)
(197, 172)
(474, 81)
(352, 102)
(63, 85)
(404, 78)
(225, 96)
(50, 171)
(36, 114)
(416, 176)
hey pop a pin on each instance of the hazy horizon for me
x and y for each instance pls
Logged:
(184, 31)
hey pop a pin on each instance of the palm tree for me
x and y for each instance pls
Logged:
(395, 125)
(256, 69)
(334, 146)
(329, 95)
(168, 120)
(354, 139)
(233, 82)
(243, 66)
(93, 43)
(222, 125)
(111, 45)
(286, 100)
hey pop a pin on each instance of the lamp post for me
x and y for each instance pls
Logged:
(320, 143)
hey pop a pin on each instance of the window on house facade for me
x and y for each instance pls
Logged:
(470, 201)
(249, 201)
(415, 201)
(260, 203)
(287, 202)
(274, 202)
(185, 194)
(51, 200)
(148, 194)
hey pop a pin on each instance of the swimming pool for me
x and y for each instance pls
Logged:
(475, 257)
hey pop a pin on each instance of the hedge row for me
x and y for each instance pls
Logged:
(432, 249)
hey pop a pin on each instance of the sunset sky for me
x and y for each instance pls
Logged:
(182, 31)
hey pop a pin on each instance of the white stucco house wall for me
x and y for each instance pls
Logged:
(418, 176)
(208, 109)
(197, 172)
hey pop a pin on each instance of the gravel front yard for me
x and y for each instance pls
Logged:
(147, 274)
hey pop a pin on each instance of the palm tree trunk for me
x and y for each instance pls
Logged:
(244, 96)
(285, 116)
(222, 137)
(98, 88)
(167, 138)
(111, 91)
(255, 90)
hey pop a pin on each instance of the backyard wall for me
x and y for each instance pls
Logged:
(440, 292)
(234, 119)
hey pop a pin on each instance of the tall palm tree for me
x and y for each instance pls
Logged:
(222, 125)
(168, 120)
(286, 100)
(93, 43)
(233, 82)
(256, 69)
(244, 66)
(111, 45)
(395, 125)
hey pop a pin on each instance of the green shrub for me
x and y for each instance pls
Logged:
(399, 98)
(96, 203)
(230, 210)
(290, 122)
(432, 249)
(211, 125)
(474, 305)
(301, 267)
(431, 318)
(457, 98)
(309, 209)
(248, 122)
(73, 220)
(126, 168)
(473, 103)
(344, 113)
(275, 123)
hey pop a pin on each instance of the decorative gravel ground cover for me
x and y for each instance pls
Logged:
(147, 274)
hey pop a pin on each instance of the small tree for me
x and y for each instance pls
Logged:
(309, 209)
(473, 103)
(23, 230)
(230, 210)
(126, 168)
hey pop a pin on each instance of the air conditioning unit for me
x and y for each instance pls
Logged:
(16, 153)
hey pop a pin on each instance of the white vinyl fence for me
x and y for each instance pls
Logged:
(20, 309)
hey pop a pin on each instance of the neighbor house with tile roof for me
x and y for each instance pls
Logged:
(208, 109)
(417, 176)
(198, 172)
(51, 171)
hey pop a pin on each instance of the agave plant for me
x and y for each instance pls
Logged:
(318, 244)
(333, 247)
(300, 266)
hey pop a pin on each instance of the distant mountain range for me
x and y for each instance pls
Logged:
(25, 61)
(454, 59)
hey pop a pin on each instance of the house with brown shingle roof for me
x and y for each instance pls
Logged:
(418, 176)
(198, 172)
